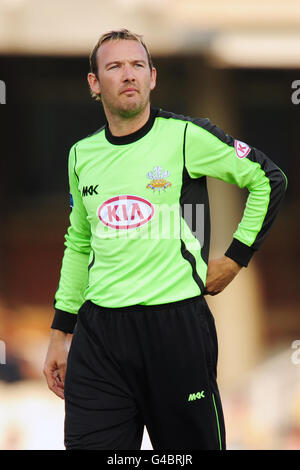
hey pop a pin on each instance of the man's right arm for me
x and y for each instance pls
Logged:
(73, 281)
(74, 270)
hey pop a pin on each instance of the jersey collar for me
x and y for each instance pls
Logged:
(130, 138)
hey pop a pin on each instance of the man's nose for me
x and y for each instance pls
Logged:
(128, 73)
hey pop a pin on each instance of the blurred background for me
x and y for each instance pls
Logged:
(234, 62)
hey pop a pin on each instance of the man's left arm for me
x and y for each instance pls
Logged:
(211, 152)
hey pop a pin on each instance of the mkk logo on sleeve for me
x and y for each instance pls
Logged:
(241, 149)
(125, 212)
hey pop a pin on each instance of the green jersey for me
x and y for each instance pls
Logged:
(139, 226)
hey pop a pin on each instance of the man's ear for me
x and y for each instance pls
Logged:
(94, 83)
(153, 78)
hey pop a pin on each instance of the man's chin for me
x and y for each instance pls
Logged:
(131, 109)
(126, 108)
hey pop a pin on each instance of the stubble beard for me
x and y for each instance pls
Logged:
(129, 109)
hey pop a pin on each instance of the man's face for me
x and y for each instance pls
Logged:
(124, 77)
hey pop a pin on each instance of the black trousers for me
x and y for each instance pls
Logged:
(152, 366)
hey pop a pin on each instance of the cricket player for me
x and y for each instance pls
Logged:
(136, 265)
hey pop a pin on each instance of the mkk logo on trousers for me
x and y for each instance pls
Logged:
(125, 212)
(196, 396)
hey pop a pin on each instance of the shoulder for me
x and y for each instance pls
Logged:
(169, 115)
(90, 138)
(198, 126)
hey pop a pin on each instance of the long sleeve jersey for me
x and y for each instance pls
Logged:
(140, 222)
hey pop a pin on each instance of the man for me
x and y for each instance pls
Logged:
(135, 268)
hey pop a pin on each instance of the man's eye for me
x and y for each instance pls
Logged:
(113, 67)
(139, 65)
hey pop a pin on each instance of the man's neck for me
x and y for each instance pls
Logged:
(120, 126)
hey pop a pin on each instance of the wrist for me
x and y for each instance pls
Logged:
(235, 266)
(58, 335)
(64, 321)
(240, 252)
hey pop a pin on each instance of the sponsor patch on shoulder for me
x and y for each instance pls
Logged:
(71, 200)
(241, 149)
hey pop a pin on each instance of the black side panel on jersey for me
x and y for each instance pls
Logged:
(193, 193)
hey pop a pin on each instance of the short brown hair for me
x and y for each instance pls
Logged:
(110, 36)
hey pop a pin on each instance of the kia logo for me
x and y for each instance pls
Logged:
(125, 212)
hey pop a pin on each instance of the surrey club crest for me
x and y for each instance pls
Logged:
(158, 179)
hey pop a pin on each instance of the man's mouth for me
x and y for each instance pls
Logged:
(129, 90)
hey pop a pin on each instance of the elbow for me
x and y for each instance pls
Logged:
(283, 182)
(279, 185)
(278, 179)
